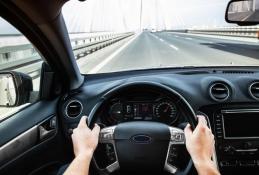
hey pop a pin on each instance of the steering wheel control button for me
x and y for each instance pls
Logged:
(177, 155)
(110, 153)
(106, 134)
(172, 156)
(177, 135)
(106, 149)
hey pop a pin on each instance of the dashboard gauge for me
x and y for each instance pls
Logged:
(116, 113)
(166, 111)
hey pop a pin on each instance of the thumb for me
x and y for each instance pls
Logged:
(82, 122)
(202, 120)
(188, 131)
(96, 130)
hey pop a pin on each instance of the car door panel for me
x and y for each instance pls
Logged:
(30, 139)
(18, 145)
(26, 119)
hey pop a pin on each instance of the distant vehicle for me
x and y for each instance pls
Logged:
(153, 30)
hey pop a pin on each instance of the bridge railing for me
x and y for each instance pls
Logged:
(240, 31)
(87, 45)
(20, 57)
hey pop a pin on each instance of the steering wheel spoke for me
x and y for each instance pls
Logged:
(106, 136)
(177, 139)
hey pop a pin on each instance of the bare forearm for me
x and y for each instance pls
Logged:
(79, 166)
(206, 168)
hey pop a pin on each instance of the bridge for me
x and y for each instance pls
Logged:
(109, 52)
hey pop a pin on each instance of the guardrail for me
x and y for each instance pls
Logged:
(92, 44)
(242, 31)
(22, 56)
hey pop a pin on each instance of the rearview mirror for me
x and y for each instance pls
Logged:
(243, 12)
(15, 89)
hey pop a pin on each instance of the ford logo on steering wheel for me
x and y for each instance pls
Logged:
(141, 139)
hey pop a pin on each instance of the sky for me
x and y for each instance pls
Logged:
(127, 15)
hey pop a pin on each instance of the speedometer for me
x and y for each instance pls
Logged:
(166, 111)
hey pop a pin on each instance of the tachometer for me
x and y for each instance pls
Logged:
(166, 111)
(116, 113)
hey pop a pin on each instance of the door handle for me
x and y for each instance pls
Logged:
(48, 128)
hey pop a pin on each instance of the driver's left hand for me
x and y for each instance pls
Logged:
(84, 139)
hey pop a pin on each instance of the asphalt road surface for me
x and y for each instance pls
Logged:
(253, 17)
(167, 49)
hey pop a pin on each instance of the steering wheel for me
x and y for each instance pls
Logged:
(143, 145)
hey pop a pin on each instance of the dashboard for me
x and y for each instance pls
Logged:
(229, 98)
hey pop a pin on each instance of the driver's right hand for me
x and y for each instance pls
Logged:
(200, 144)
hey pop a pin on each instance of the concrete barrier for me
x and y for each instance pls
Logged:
(239, 31)
(13, 57)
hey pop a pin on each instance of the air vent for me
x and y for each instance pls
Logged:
(254, 90)
(219, 91)
(74, 108)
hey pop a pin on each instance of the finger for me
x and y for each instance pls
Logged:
(210, 132)
(213, 138)
(202, 120)
(96, 130)
(187, 131)
(86, 120)
(72, 136)
(82, 122)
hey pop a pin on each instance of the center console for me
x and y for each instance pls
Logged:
(237, 139)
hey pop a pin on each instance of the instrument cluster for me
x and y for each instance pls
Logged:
(162, 109)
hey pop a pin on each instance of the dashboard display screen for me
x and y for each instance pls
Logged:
(138, 110)
(241, 125)
(145, 109)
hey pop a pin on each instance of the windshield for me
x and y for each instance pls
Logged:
(120, 35)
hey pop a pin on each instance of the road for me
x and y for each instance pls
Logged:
(253, 17)
(162, 49)
(168, 49)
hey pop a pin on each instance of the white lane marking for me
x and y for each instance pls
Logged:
(161, 40)
(188, 38)
(245, 18)
(154, 36)
(176, 36)
(109, 58)
(170, 45)
(174, 47)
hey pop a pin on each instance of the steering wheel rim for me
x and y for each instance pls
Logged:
(188, 113)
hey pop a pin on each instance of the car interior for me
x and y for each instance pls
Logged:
(142, 113)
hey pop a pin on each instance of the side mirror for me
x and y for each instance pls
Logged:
(15, 89)
(243, 12)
